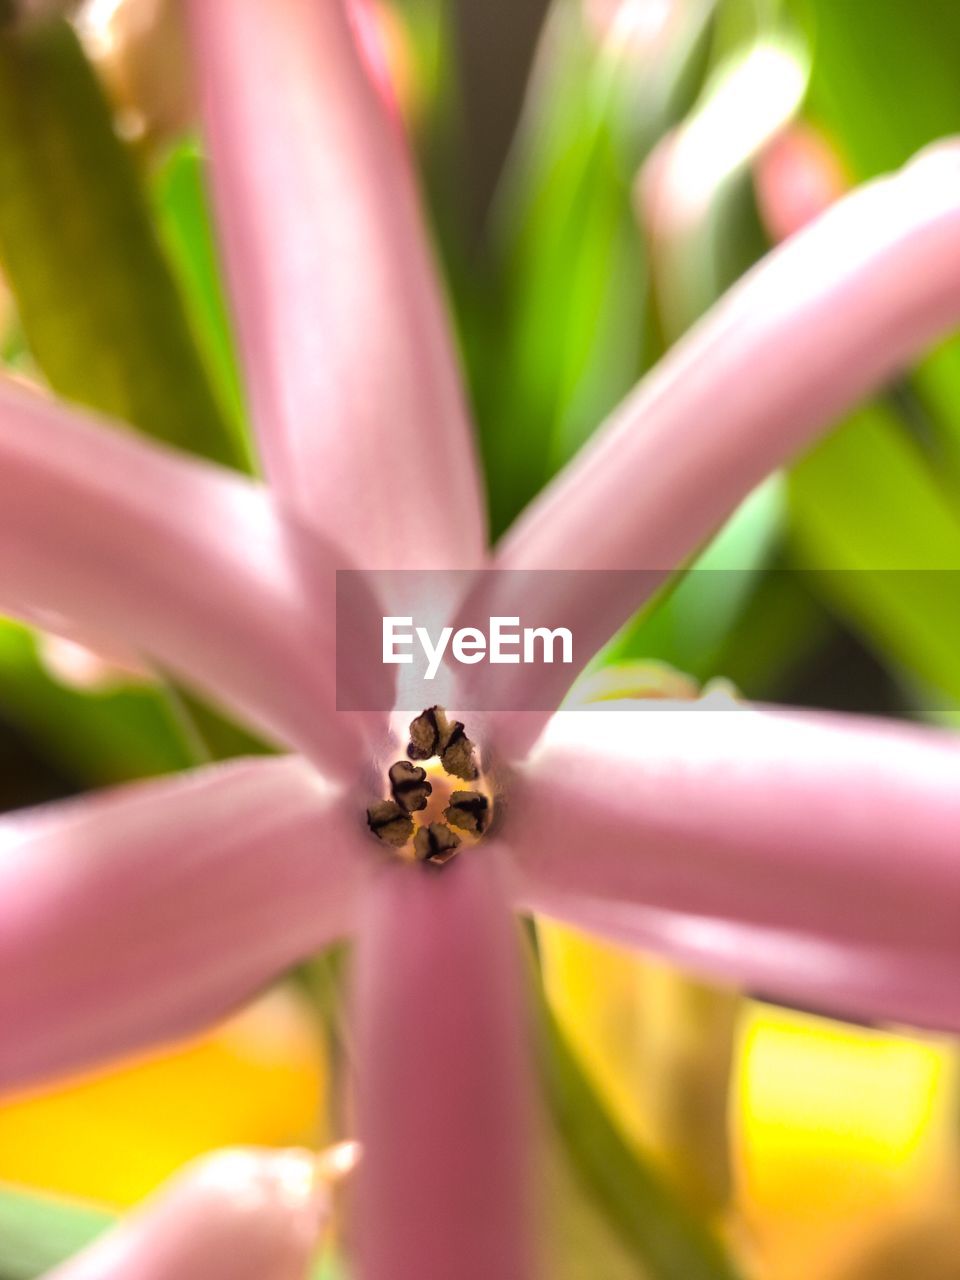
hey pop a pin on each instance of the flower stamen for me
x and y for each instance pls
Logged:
(409, 786)
(424, 806)
(435, 843)
(433, 734)
(425, 734)
(389, 823)
(468, 811)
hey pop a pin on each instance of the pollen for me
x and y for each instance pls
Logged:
(436, 843)
(468, 811)
(389, 823)
(433, 734)
(427, 819)
(409, 786)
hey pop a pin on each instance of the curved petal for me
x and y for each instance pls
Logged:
(353, 381)
(820, 323)
(106, 534)
(441, 1088)
(235, 1215)
(133, 917)
(807, 856)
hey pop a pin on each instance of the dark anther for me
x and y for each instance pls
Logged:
(432, 734)
(409, 786)
(456, 754)
(436, 843)
(426, 733)
(468, 810)
(388, 821)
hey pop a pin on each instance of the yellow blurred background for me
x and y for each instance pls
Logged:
(810, 1143)
(259, 1078)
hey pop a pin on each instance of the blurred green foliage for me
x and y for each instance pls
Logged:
(884, 76)
(666, 1238)
(571, 330)
(98, 305)
(884, 490)
(37, 1232)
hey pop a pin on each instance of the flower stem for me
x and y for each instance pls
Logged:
(650, 1220)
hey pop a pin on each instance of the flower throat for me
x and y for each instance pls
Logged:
(428, 818)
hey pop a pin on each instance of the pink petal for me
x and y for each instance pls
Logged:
(442, 1117)
(811, 857)
(133, 917)
(819, 324)
(234, 1215)
(352, 378)
(105, 533)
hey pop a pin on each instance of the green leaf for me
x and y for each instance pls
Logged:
(99, 307)
(936, 384)
(885, 77)
(689, 625)
(885, 85)
(98, 738)
(871, 517)
(569, 331)
(666, 1239)
(184, 221)
(781, 628)
(38, 1231)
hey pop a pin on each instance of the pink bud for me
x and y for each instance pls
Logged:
(797, 176)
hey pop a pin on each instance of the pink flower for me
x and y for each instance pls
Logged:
(810, 856)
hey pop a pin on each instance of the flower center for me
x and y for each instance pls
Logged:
(428, 817)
